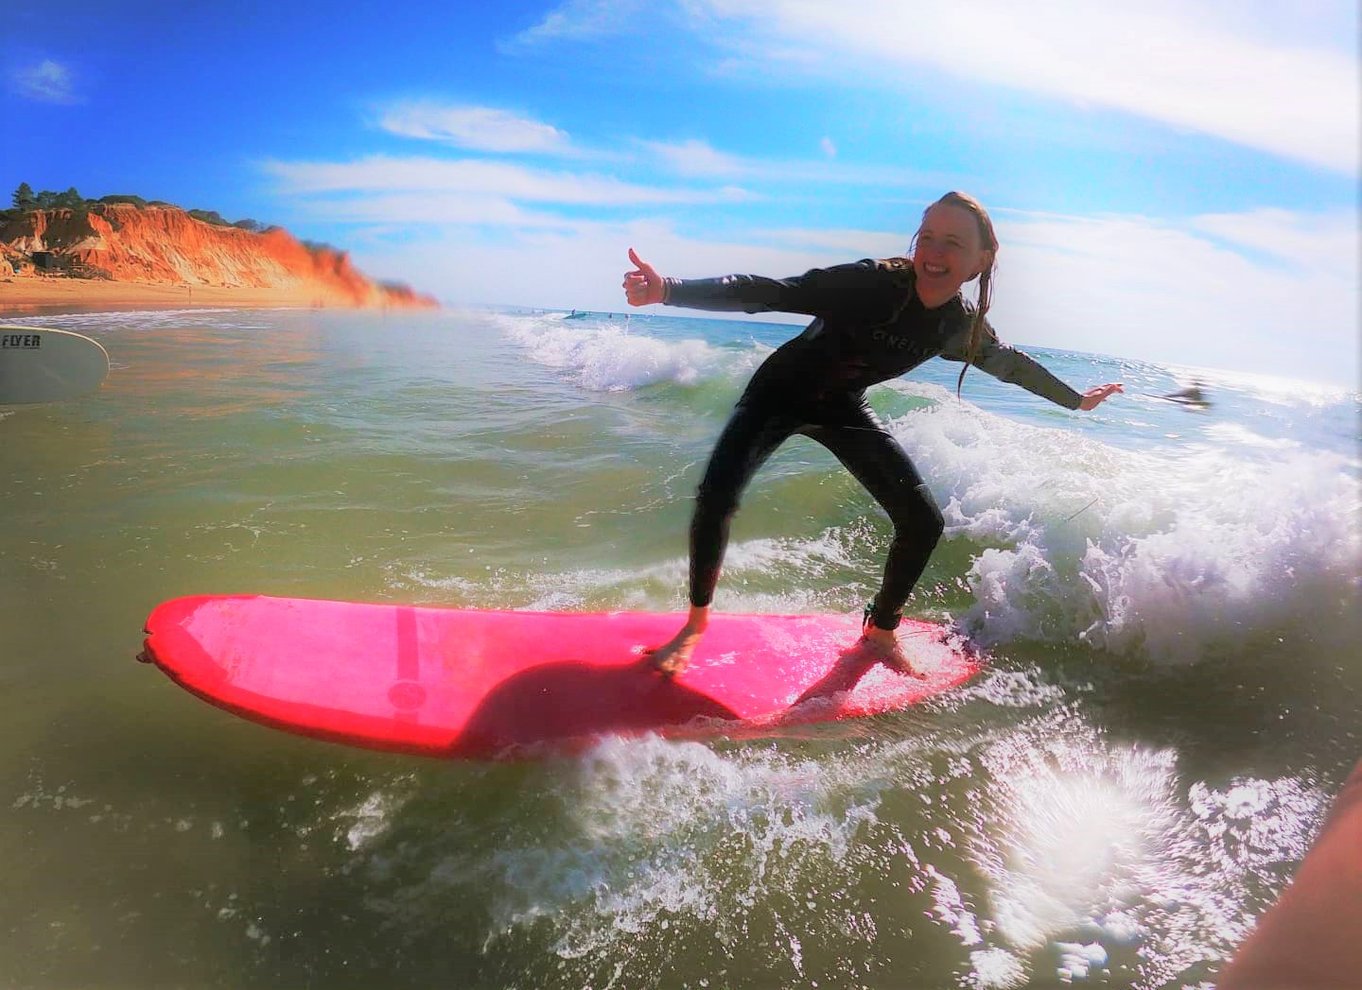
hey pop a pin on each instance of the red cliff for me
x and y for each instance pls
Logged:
(165, 245)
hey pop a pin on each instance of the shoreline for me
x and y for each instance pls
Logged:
(36, 296)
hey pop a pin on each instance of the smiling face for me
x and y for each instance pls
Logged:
(948, 251)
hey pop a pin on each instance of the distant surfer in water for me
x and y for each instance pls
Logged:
(1193, 395)
(873, 320)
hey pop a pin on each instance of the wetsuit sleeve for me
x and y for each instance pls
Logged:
(1011, 365)
(842, 289)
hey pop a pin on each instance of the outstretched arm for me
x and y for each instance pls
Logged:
(858, 288)
(1017, 367)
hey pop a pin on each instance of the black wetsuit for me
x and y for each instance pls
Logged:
(869, 326)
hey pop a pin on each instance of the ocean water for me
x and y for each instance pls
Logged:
(1169, 598)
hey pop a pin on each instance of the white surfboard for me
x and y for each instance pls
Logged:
(38, 364)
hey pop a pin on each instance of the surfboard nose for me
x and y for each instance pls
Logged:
(41, 364)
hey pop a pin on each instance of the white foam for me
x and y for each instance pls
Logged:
(995, 969)
(1079, 825)
(1013, 689)
(1257, 823)
(1093, 847)
(1160, 553)
(949, 906)
(95, 323)
(612, 358)
(1232, 434)
(371, 818)
(663, 830)
(1044, 848)
(1076, 960)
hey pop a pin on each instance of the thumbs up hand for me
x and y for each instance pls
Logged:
(643, 286)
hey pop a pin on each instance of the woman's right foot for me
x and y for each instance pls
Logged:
(884, 646)
(673, 656)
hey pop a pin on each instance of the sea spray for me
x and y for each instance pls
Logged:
(607, 356)
(1139, 552)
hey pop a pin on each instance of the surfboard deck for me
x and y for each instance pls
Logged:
(39, 364)
(484, 683)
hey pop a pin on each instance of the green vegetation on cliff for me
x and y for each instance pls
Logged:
(24, 200)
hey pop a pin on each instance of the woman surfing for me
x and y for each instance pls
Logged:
(872, 321)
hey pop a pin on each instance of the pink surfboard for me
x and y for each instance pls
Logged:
(470, 683)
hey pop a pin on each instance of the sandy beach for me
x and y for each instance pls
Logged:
(21, 296)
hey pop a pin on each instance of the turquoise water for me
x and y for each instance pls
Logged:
(1169, 597)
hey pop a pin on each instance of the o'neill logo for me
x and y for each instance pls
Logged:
(889, 339)
(20, 340)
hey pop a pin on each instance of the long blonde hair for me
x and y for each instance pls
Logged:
(990, 242)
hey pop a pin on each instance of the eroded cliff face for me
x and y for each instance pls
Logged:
(165, 245)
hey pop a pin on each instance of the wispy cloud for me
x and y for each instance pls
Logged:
(475, 128)
(1181, 290)
(1249, 75)
(1301, 241)
(579, 20)
(683, 173)
(387, 174)
(699, 159)
(694, 157)
(440, 209)
(46, 82)
(1278, 78)
(834, 244)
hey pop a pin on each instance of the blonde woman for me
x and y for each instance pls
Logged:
(873, 320)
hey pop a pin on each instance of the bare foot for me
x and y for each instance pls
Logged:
(884, 646)
(672, 657)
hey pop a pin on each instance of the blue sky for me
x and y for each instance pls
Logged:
(1174, 180)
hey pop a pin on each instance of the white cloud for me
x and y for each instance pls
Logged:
(441, 209)
(46, 82)
(695, 157)
(492, 130)
(1164, 290)
(837, 244)
(387, 174)
(580, 20)
(1249, 74)
(1321, 242)
(1279, 78)
(476, 128)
